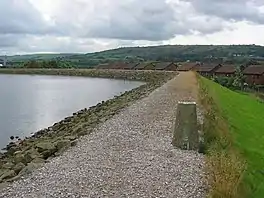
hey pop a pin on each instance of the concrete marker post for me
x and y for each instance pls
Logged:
(185, 132)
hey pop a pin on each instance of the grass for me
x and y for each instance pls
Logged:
(236, 137)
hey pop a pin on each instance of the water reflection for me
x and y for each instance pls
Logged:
(29, 103)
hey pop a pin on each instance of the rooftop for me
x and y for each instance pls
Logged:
(186, 66)
(226, 69)
(254, 70)
(162, 65)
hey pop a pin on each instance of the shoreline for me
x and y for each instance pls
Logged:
(33, 151)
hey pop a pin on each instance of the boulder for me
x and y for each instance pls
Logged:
(2, 171)
(30, 155)
(71, 138)
(60, 144)
(29, 168)
(45, 146)
(38, 160)
(8, 165)
(3, 185)
(2, 155)
(18, 167)
(46, 149)
(20, 157)
(74, 143)
(8, 174)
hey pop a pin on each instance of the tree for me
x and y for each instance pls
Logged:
(239, 79)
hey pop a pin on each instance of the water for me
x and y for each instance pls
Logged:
(29, 103)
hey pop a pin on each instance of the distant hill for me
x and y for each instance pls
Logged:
(231, 53)
(219, 53)
(38, 56)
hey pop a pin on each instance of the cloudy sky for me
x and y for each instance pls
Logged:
(29, 26)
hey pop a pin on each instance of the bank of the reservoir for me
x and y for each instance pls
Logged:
(21, 157)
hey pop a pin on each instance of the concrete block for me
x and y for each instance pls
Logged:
(185, 132)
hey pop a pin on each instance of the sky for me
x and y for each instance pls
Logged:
(83, 26)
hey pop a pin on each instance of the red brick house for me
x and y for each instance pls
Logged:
(102, 66)
(144, 66)
(117, 65)
(206, 69)
(254, 74)
(168, 66)
(226, 70)
(130, 66)
(187, 66)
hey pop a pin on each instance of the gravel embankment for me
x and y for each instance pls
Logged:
(129, 155)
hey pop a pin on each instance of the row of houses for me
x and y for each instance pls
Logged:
(169, 66)
(254, 73)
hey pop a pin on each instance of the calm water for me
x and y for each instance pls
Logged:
(30, 102)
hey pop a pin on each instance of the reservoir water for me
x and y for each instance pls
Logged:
(29, 103)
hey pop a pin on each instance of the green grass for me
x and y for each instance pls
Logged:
(245, 117)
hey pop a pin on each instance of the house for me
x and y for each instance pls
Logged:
(187, 66)
(227, 70)
(254, 74)
(206, 69)
(102, 66)
(130, 66)
(168, 66)
(145, 66)
(117, 65)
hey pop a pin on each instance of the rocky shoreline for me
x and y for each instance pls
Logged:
(24, 156)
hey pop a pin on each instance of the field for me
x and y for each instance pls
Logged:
(244, 116)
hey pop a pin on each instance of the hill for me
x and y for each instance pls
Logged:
(235, 53)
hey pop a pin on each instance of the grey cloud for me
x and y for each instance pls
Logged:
(20, 17)
(151, 20)
(237, 10)
(135, 20)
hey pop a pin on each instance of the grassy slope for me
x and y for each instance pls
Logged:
(245, 116)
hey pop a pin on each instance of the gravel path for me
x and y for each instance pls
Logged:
(129, 155)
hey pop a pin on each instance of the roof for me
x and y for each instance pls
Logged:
(226, 69)
(187, 66)
(117, 65)
(254, 70)
(162, 65)
(142, 65)
(102, 66)
(206, 67)
(130, 65)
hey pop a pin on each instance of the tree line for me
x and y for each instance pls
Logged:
(47, 64)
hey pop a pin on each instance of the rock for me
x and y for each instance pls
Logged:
(17, 177)
(63, 144)
(77, 129)
(2, 171)
(20, 157)
(67, 119)
(74, 143)
(38, 161)
(29, 168)
(8, 174)
(17, 152)
(18, 167)
(30, 155)
(45, 146)
(3, 185)
(71, 138)
(8, 165)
